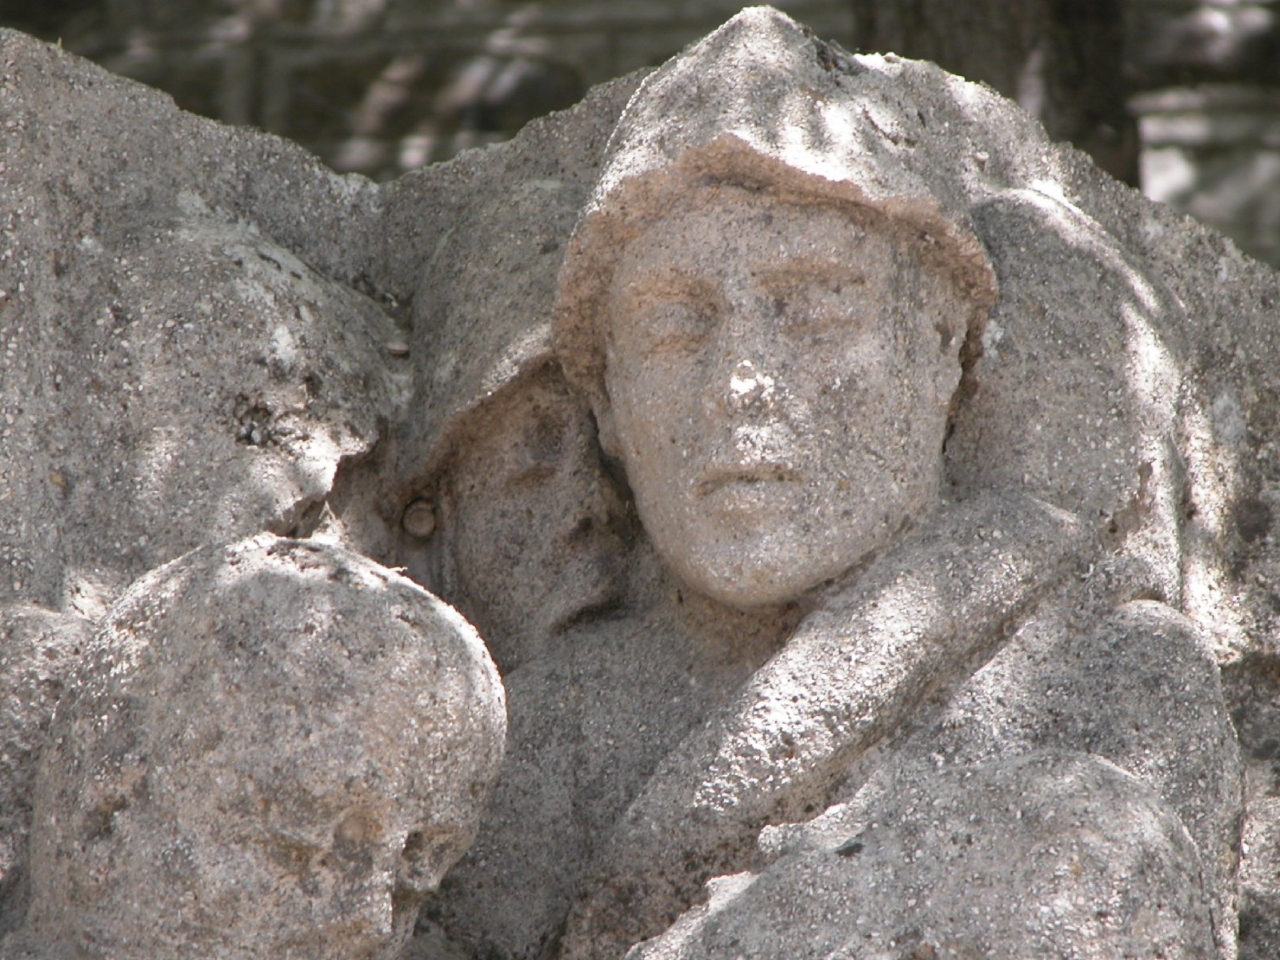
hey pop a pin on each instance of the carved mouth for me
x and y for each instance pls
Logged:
(718, 478)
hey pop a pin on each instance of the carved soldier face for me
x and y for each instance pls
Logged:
(778, 377)
(534, 519)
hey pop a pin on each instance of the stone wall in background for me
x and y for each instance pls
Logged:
(382, 86)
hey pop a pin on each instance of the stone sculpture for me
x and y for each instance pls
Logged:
(946, 492)
(40, 649)
(274, 746)
(511, 514)
(508, 510)
(767, 300)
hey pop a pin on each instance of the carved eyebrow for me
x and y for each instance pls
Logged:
(670, 282)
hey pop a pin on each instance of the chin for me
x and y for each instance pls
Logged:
(599, 589)
(758, 587)
(769, 569)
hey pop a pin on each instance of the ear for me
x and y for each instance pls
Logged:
(950, 331)
(606, 427)
(947, 379)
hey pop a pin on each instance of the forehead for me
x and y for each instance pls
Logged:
(718, 231)
(533, 414)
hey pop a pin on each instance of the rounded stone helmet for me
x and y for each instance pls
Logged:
(478, 343)
(764, 105)
(482, 312)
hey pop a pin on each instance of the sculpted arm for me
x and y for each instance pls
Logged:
(853, 672)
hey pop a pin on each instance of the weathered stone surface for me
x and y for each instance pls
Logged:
(273, 748)
(530, 536)
(1129, 694)
(382, 87)
(1036, 856)
(1084, 387)
(38, 650)
(489, 409)
(951, 482)
(180, 367)
(1254, 697)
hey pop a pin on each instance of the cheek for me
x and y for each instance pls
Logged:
(496, 537)
(848, 387)
(647, 422)
(491, 554)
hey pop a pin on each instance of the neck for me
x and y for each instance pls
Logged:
(723, 634)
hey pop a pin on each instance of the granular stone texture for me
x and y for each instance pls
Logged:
(179, 365)
(273, 748)
(39, 649)
(1037, 857)
(857, 493)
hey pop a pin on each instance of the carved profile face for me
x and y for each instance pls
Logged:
(777, 376)
(283, 750)
(533, 519)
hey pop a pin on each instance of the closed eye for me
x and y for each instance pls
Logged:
(529, 475)
(676, 323)
(820, 305)
(669, 310)
(812, 295)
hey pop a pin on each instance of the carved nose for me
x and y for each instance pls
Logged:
(749, 388)
(423, 861)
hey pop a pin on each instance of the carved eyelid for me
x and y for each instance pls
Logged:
(289, 845)
(687, 303)
(804, 303)
(535, 460)
(672, 285)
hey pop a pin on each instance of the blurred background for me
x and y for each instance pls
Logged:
(1179, 97)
